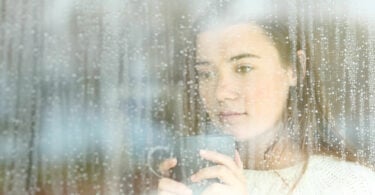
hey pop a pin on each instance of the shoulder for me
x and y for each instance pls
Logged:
(334, 175)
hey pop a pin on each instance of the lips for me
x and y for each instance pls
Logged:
(228, 115)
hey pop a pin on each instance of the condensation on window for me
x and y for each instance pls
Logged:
(88, 89)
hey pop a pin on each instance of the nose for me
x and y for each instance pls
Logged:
(226, 88)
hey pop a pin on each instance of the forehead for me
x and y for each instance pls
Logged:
(231, 40)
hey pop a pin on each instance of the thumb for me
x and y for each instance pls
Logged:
(237, 159)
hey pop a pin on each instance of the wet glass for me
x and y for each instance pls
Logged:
(88, 88)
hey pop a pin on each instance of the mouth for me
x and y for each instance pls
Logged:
(228, 115)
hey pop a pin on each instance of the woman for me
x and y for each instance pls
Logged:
(256, 83)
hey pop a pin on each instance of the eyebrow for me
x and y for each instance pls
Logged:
(234, 58)
(243, 55)
(202, 63)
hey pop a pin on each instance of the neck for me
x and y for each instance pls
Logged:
(272, 150)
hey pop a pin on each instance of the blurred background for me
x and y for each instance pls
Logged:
(87, 87)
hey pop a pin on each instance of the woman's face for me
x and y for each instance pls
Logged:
(242, 81)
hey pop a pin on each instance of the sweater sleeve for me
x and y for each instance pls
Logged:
(324, 176)
(364, 177)
(331, 176)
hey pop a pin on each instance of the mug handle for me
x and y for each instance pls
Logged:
(150, 161)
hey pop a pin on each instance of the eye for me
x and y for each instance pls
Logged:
(244, 68)
(205, 75)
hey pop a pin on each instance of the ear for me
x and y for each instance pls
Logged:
(301, 66)
(302, 63)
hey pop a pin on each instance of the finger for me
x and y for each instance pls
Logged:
(219, 171)
(217, 189)
(237, 159)
(221, 159)
(171, 186)
(166, 165)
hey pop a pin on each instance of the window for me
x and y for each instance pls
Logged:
(90, 88)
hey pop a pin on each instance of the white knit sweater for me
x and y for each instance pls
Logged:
(323, 175)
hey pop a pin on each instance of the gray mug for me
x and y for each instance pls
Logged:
(186, 151)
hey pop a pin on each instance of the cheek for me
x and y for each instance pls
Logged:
(204, 93)
(258, 91)
(266, 96)
(209, 102)
(256, 99)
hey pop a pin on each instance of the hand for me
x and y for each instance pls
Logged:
(228, 171)
(168, 186)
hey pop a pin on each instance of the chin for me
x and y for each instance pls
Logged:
(242, 133)
(239, 134)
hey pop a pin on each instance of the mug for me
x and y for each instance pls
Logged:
(186, 151)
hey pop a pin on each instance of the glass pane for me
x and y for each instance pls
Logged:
(96, 95)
